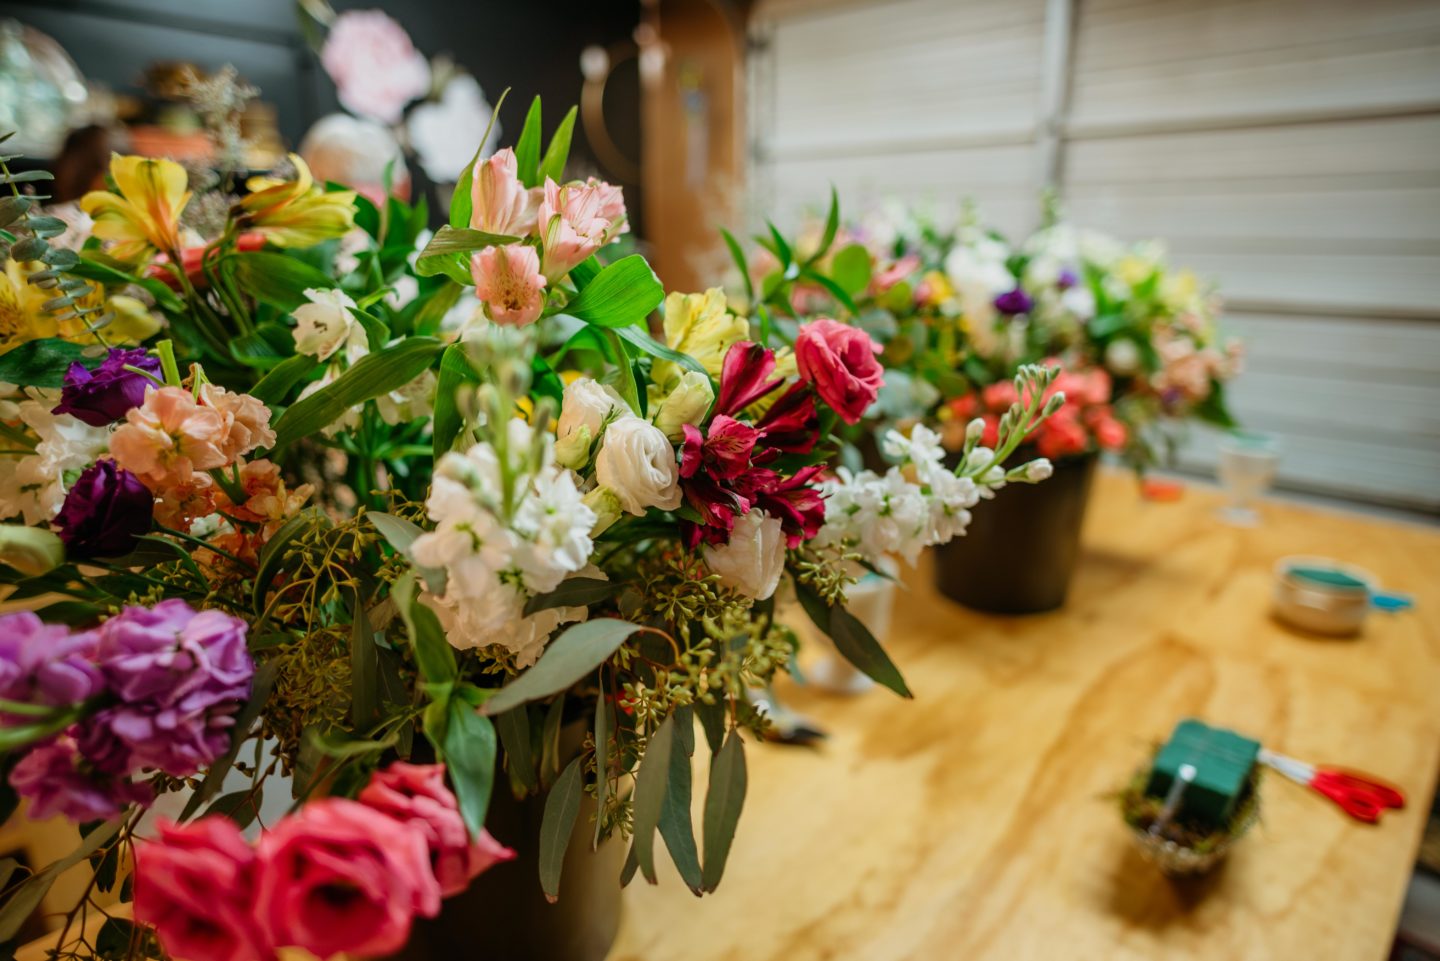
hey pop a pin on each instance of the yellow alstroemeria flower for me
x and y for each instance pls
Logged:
(143, 215)
(938, 288)
(21, 318)
(296, 213)
(699, 325)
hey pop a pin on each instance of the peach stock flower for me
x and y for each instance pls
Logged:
(143, 215)
(270, 503)
(500, 202)
(169, 437)
(509, 281)
(575, 221)
(247, 421)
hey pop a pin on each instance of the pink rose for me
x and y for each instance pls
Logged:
(338, 877)
(840, 361)
(576, 220)
(376, 69)
(195, 884)
(509, 281)
(500, 204)
(416, 795)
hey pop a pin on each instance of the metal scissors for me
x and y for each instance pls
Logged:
(1359, 796)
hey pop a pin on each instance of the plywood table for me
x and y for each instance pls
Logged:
(973, 822)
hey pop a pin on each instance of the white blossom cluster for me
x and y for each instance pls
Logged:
(509, 524)
(33, 485)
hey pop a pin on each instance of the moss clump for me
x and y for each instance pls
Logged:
(1140, 811)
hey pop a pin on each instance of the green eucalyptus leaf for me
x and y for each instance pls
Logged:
(364, 668)
(575, 653)
(514, 729)
(675, 825)
(853, 640)
(557, 825)
(724, 798)
(573, 592)
(469, 749)
(26, 897)
(649, 800)
(433, 654)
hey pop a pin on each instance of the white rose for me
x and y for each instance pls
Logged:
(324, 324)
(638, 463)
(586, 406)
(754, 558)
(685, 404)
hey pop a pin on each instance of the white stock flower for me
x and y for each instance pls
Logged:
(754, 558)
(922, 448)
(637, 462)
(584, 410)
(325, 324)
(34, 486)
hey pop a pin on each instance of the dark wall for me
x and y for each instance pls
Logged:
(534, 48)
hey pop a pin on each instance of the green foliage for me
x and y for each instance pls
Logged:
(42, 363)
(579, 650)
(557, 824)
(621, 295)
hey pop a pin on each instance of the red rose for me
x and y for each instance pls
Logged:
(195, 884)
(416, 795)
(839, 360)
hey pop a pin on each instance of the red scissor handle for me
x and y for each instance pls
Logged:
(1358, 796)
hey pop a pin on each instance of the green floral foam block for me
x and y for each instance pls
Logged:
(1222, 760)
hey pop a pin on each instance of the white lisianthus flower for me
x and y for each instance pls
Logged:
(325, 324)
(584, 410)
(637, 462)
(686, 403)
(754, 558)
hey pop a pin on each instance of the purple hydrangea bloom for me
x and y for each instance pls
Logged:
(57, 780)
(1014, 302)
(178, 677)
(103, 395)
(106, 509)
(45, 663)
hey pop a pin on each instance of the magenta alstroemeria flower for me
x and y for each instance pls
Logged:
(791, 425)
(745, 377)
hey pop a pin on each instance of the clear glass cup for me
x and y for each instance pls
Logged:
(1246, 469)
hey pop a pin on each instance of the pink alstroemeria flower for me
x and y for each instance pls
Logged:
(575, 220)
(509, 281)
(500, 204)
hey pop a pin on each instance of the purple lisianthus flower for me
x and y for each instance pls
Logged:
(1067, 279)
(45, 663)
(106, 509)
(57, 780)
(1014, 302)
(178, 677)
(103, 395)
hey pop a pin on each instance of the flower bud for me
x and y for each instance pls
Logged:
(1033, 472)
(975, 430)
(1055, 403)
(686, 403)
(30, 550)
(606, 505)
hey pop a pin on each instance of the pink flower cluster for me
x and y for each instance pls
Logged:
(571, 222)
(726, 470)
(154, 689)
(1086, 422)
(375, 67)
(338, 877)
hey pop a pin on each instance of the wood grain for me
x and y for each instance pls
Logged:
(974, 821)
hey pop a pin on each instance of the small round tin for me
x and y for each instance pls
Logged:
(1322, 596)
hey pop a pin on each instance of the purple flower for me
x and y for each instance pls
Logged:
(1067, 279)
(57, 780)
(106, 509)
(102, 396)
(1014, 302)
(178, 677)
(45, 663)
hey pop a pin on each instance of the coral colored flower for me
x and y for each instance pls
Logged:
(500, 203)
(270, 503)
(416, 795)
(296, 213)
(169, 437)
(195, 885)
(509, 281)
(840, 361)
(340, 877)
(575, 220)
(247, 421)
(104, 395)
(143, 216)
(106, 509)
(375, 66)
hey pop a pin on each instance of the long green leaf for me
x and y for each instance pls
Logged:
(568, 658)
(603, 724)
(27, 896)
(373, 375)
(91, 267)
(724, 798)
(364, 668)
(527, 148)
(433, 654)
(622, 294)
(650, 782)
(572, 592)
(644, 342)
(853, 640)
(282, 378)
(275, 279)
(462, 240)
(42, 363)
(557, 825)
(461, 201)
(738, 255)
(469, 750)
(553, 166)
(675, 825)
(514, 729)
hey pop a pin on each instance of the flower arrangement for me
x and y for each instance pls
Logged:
(958, 311)
(320, 541)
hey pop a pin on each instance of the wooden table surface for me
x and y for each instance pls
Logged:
(974, 823)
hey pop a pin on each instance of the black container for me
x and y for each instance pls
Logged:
(503, 915)
(1020, 550)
